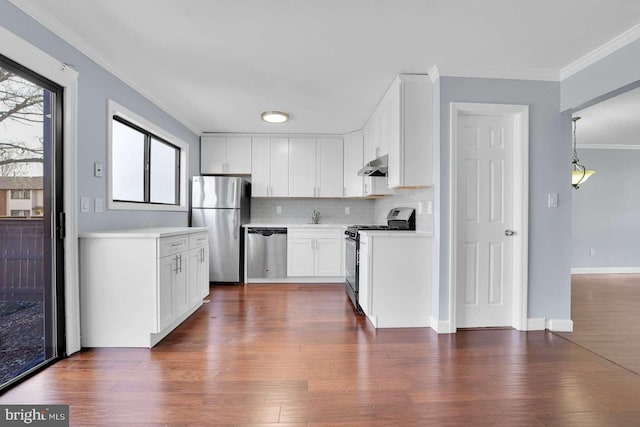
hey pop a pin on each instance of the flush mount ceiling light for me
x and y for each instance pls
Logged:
(580, 173)
(274, 117)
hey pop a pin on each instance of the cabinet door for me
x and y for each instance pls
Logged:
(364, 282)
(300, 257)
(238, 155)
(329, 179)
(203, 273)
(213, 154)
(302, 167)
(181, 284)
(384, 130)
(353, 161)
(260, 167)
(166, 286)
(195, 258)
(328, 257)
(279, 167)
(394, 144)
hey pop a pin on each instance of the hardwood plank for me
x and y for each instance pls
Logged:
(297, 355)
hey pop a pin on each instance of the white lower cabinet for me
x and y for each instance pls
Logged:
(138, 285)
(395, 278)
(315, 252)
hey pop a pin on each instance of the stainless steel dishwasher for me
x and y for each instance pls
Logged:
(266, 253)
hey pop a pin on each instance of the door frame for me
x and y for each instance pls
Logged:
(31, 57)
(520, 116)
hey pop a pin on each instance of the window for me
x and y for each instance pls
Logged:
(20, 194)
(147, 165)
(20, 213)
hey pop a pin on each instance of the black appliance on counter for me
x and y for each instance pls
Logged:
(398, 219)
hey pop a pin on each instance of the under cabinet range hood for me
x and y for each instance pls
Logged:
(376, 167)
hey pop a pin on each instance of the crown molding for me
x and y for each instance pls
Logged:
(601, 52)
(608, 147)
(55, 26)
(499, 73)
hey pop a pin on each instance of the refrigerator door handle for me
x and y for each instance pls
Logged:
(236, 214)
(235, 193)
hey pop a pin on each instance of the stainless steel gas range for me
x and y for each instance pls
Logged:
(398, 219)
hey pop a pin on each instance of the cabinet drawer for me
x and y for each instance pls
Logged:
(314, 232)
(198, 240)
(172, 245)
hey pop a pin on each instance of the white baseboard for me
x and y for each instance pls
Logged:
(605, 270)
(440, 326)
(559, 325)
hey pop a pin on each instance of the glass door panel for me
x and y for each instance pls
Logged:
(30, 196)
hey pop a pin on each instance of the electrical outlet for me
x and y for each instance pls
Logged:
(98, 170)
(419, 208)
(97, 205)
(347, 210)
(278, 210)
(592, 252)
(553, 200)
(429, 207)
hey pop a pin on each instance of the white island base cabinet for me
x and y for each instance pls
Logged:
(395, 278)
(139, 285)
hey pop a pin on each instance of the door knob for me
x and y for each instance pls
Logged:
(509, 233)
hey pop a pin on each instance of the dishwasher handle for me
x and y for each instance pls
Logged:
(267, 231)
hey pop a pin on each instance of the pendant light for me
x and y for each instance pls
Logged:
(580, 173)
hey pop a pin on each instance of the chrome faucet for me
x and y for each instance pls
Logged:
(315, 218)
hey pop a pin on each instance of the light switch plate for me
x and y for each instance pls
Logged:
(419, 208)
(84, 204)
(278, 210)
(97, 205)
(553, 200)
(429, 207)
(347, 210)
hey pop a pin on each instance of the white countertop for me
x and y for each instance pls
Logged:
(395, 233)
(264, 225)
(150, 232)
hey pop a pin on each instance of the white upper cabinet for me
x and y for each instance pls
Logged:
(315, 167)
(410, 136)
(353, 161)
(225, 155)
(302, 167)
(329, 168)
(270, 167)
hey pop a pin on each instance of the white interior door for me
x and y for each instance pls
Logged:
(484, 220)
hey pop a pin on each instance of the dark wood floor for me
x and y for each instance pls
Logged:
(286, 355)
(605, 309)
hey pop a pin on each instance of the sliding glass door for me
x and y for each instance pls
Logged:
(31, 284)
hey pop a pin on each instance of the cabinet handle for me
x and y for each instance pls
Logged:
(176, 269)
(180, 258)
(366, 188)
(344, 191)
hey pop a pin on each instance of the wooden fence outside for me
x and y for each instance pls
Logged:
(21, 259)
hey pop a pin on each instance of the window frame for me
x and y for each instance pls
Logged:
(21, 194)
(125, 116)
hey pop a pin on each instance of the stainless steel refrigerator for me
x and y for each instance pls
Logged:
(222, 203)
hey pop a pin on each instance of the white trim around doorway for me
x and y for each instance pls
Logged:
(520, 114)
(29, 56)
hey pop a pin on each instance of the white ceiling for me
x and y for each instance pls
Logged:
(216, 64)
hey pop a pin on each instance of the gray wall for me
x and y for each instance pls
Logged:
(612, 75)
(549, 160)
(606, 210)
(95, 86)
(298, 211)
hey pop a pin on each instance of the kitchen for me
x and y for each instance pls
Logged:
(87, 191)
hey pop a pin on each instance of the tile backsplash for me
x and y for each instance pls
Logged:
(299, 210)
(332, 211)
(406, 198)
